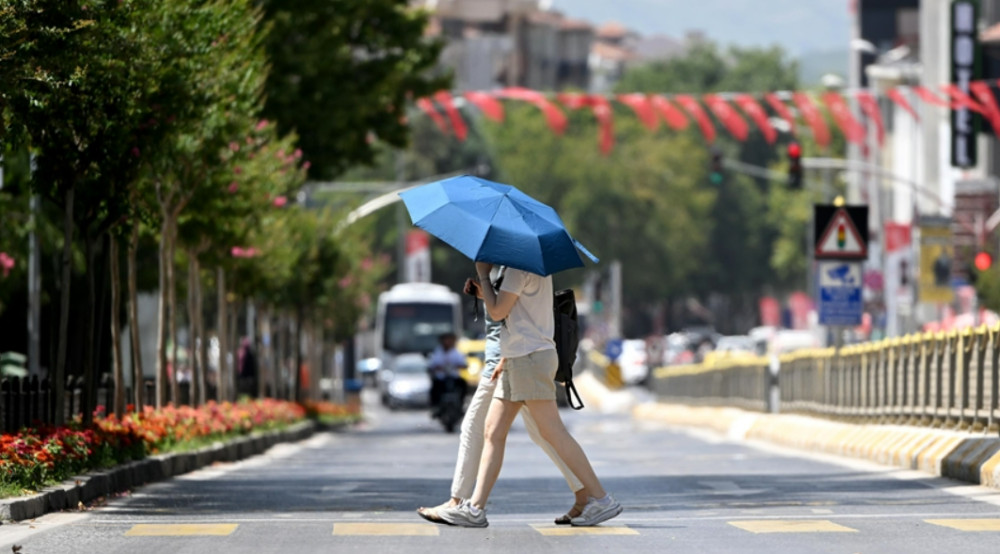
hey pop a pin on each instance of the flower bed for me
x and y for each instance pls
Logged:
(37, 457)
(328, 413)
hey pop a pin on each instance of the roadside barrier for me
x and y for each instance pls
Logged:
(946, 380)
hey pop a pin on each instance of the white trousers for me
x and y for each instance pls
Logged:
(470, 445)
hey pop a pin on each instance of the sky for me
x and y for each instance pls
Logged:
(800, 26)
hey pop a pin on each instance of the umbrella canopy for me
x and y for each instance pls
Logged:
(495, 223)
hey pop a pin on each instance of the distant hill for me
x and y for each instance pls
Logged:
(813, 65)
(799, 26)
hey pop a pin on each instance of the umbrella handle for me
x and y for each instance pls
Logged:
(583, 249)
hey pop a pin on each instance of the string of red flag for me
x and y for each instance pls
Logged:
(734, 112)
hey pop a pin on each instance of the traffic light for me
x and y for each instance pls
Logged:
(794, 166)
(980, 264)
(716, 169)
(983, 261)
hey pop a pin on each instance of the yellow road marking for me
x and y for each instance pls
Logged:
(791, 526)
(386, 529)
(968, 524)
(567, 531)
(181, 530)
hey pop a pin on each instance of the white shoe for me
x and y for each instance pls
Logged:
(462, 516)
(595, 512)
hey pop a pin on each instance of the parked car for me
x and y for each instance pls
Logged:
(406, 382)
(634, 361)
(678, 350)
(733, 346)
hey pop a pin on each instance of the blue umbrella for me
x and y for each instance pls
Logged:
(495, 223)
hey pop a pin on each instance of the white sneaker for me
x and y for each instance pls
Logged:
(462, 516)
(595, 512)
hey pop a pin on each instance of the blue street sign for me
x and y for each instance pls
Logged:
(839, 293)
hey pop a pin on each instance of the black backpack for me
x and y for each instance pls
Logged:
(567, 337)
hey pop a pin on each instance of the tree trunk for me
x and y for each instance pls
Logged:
(223, 315)
(67, 265)
(89, 379)
(297, 344)
(172, 320)
(116, 335)
(203, 346)
(192, 321)
(138, 379)
(264, 369)
(161, 319)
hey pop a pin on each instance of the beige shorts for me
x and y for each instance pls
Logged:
(530, 377)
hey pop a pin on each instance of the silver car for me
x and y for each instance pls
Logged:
(406, 382)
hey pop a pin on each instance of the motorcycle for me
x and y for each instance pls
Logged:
(451, 410)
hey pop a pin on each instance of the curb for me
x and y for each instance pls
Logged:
(90, 486)
(969, 457)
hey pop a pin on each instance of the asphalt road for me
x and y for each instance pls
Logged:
(355, 491)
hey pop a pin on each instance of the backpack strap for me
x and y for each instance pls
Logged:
(570, 393)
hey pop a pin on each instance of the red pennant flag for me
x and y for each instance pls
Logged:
(428, 108)
(729, 117)
(443, 98)
(491, 107)
(553, 115)
(984, 94)
(643, 108)
(853, 130)
(673, 116)
(781, 109)
(756, 113)
(930, 98)
(601, 109)
(902, 102)
(959, 99)
(694, 108)
(869, 106)
(813, 117)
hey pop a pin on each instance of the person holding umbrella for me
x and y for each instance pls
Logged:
(493, 223)
(470, 442)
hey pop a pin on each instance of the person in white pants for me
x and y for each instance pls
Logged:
(470, 447)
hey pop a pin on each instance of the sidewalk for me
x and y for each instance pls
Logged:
(965, 456)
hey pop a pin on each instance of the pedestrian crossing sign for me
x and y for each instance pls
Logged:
(842, 232)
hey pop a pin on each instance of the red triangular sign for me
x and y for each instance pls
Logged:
(841, 239)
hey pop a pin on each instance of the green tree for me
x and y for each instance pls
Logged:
(342, 72)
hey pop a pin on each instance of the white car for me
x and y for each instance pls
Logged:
(406, 382)
(634, 361)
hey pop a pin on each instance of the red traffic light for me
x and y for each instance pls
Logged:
(983, 261)
(794, 150)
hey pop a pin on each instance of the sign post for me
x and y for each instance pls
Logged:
(841, 245)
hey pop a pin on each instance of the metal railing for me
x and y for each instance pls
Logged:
(934, 379)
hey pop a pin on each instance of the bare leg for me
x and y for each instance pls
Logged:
(550, 425)
(498, 421)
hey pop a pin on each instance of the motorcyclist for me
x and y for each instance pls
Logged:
(444, 365)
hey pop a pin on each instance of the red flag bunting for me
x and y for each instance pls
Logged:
(813, 117)
(694, 108)
(781, 109)
(729, 117)
(959, 99)
(643, 108)
(491, 107)
(553, 115)
(601, 109)
(853, 130)
(443, 98)
(981, 90)
(756, 113)
(930, 98)
(869, 106)
(673, 116)
(896, 96)
(428, 108)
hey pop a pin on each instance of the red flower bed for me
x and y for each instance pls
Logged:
(35, 457)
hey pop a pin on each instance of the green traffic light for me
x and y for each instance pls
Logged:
(715, 178)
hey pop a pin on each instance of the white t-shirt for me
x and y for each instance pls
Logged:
(530, 325)
(446, 363)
